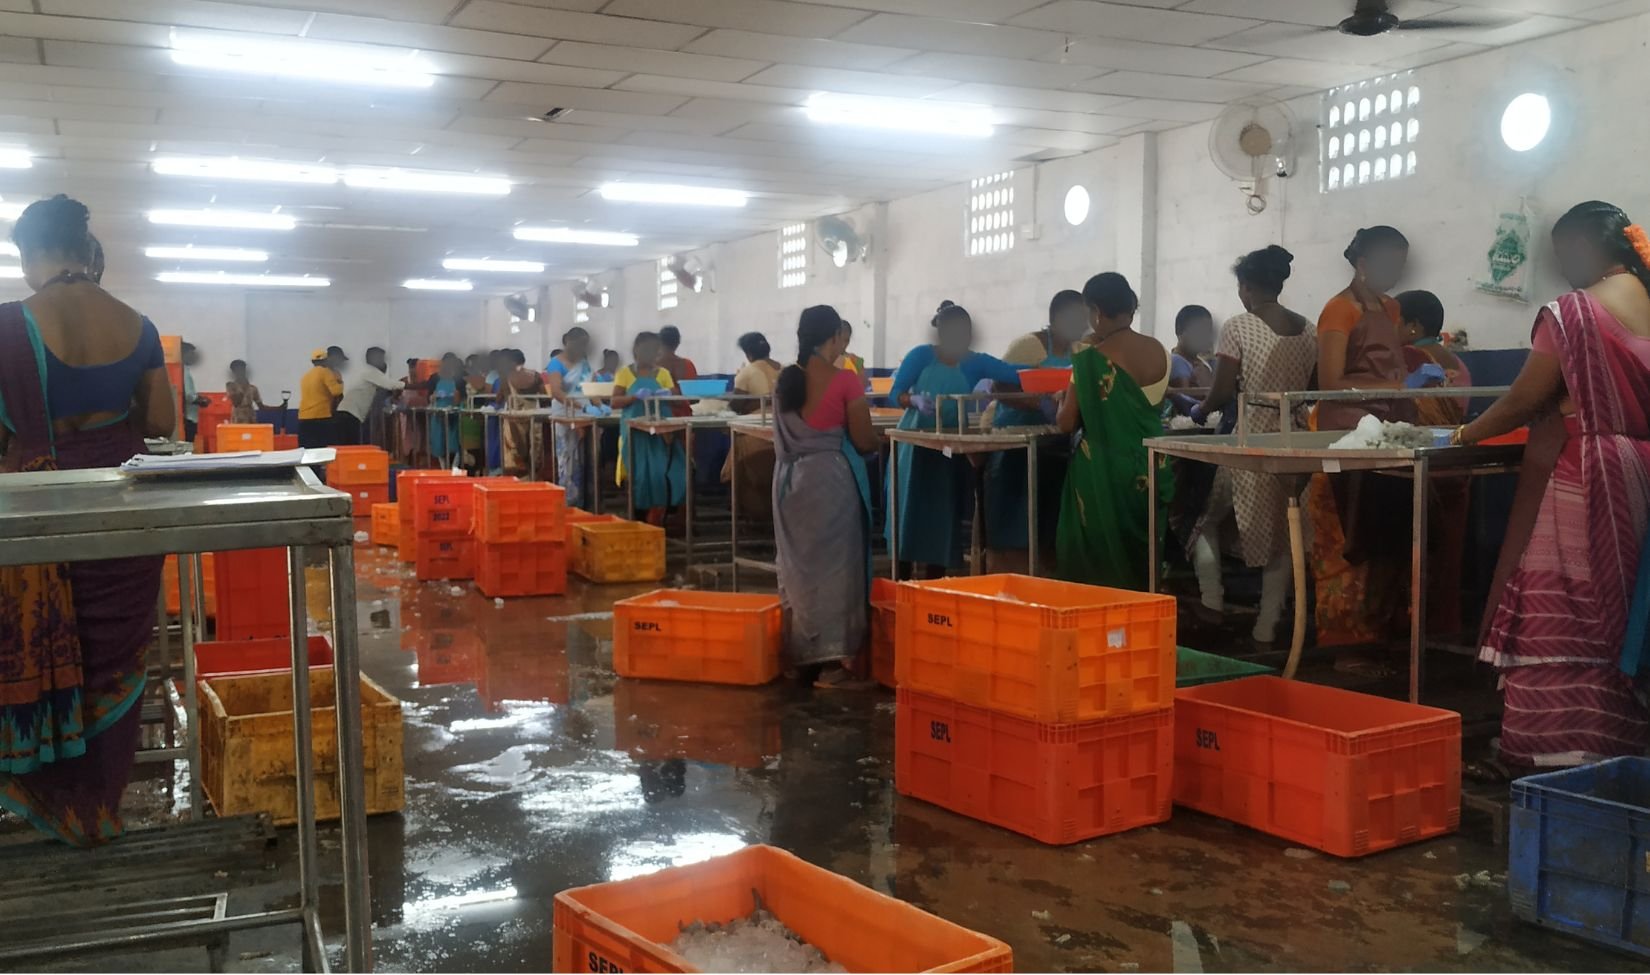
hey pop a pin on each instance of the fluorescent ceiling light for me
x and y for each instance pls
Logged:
(11, 272)
(901, 114)
(192, 253)
(233, 219)
(436, 284)
(15, 159)
(11, 211)
(490, 264)
(569, 235)
(304, 59)
(704, 196)
(9, 249)
(243, 280)
(260, 170)
(424, 181)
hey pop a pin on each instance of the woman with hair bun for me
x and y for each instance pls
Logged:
(1566, 624)
(934, 491)
(82, 382)
(1267, 349)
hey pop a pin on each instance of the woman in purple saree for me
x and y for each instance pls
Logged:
(82, 380)
(1558, 608)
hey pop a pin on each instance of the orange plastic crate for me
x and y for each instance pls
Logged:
(523, 511)
(207, 582)
(445, 558)
(234, 437)
(714, 637)
(738, 727)
(364, 497)
(360, 465)
(442, 507)
(253, 601)
(1055, 652)
(624, 925)
(1057, 783)
(521, 568)
(1335, 770)
(883, 606)
(386, 523)
(408, 535)
(620, 551)
(574, 517)
(234, 657)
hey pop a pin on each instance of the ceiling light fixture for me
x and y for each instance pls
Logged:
(243, 280)
(901, 114)
(258, 170)
(304, 59)
(492, 264)
(16, 159)
(11, 211)
(570, 235)
(1525, 123)
(161, 252)
(704, 196)
(436, 284)
(424, 181)
(231, 219)
(9, 249)
(11, 272)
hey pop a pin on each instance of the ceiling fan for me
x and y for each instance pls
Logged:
(1372, 18)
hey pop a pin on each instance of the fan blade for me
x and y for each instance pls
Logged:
(1456, 23)
(1296, 32)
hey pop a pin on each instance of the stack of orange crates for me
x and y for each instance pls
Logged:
(364, 474)
(406, 540)
(442, 511)
(519, 530)
(1039, 706)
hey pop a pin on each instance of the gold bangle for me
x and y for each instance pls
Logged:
(1457, 439)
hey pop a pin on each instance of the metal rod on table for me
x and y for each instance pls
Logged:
(595, 448)
(303, 734)
(351, 771)
(976, 533)
(1151, 518)
(687, 474)
(191, 712)
(733, 505)
(627, 436)
(1418, 578)
(892, 495)
(1031, 506)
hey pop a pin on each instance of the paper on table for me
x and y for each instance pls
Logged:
(237, 460)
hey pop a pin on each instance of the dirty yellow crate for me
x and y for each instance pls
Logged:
(620, 551)
(247, 753)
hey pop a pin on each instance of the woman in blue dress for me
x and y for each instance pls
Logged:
(568, 371)
(660, 475)
(447, 389)
(934, 490)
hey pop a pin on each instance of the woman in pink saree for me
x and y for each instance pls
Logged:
(1559, 602)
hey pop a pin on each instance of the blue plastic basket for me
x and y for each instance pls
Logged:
(703, 387)
(1580, 852)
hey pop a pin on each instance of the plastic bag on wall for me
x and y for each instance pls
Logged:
(1509, 269)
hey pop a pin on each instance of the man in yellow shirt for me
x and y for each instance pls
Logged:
(318, 395)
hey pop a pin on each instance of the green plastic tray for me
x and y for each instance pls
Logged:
(1194, 667)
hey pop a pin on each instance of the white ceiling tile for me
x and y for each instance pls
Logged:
(541, 98)
(539, 129)
(797, 50)
(1009, 96)
(767, 16)
(19, 50)
(1141, 84)
(766, 93)
(77, 29)
(18, 6)
(1058, 138)
(1307, 74)
(505, 69)
(721, 114)
(1167, 110)
(968, 11)
(932, 34)
(583, 6)
(1521, 29)
(1074, 121)
(19, 125)
(1125, 22)
(573, 26)
(1447, 52)
(673, 63)
(343, 27)
(1199, 62)
(424, 11)
(185, 13)
(851, 82)
(1008, 71)
(1616, 10)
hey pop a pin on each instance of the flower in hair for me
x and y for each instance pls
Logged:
(1640, 241)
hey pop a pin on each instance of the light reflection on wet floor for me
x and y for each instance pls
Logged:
(531, 768)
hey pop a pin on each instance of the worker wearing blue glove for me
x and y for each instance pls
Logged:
(1426, 377)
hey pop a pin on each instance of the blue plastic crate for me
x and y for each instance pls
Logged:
(1580, 852)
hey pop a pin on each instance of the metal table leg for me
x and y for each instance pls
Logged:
(687, 512)
(893, 510)
(1031, 507)
(595, 446)
(1151, 519)
(535, 448)
(309, 862)
(1418, 579)
(351, 788)
(733, 505)
(976, 533)
(191, 711)
(628, 448)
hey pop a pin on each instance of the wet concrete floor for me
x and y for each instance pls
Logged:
(531, 768)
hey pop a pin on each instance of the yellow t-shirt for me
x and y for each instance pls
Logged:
(627, 378)
(316, 392)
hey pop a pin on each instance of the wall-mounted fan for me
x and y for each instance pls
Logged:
(838, 238)
(592, 295)
(1252, 142)
(518, 308)
(689, 272)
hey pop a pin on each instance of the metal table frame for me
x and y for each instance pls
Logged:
(101, 514)
(593, 425)
(1301, 454)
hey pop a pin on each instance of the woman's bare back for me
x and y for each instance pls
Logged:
(1627, 300)
(83, 325)
(1141, 356)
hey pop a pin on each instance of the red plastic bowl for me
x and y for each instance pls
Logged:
(1045, 380)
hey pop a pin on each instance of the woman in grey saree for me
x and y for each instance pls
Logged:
(822, 502)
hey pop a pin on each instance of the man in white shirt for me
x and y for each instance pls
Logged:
(364, 398)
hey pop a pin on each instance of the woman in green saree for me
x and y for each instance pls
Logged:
(1114, 405)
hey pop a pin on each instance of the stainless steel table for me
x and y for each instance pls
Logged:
(101, 514)
(592, 427)
(1299, 455)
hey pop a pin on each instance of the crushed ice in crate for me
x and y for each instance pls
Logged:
(758, 943)
(1373, 434)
